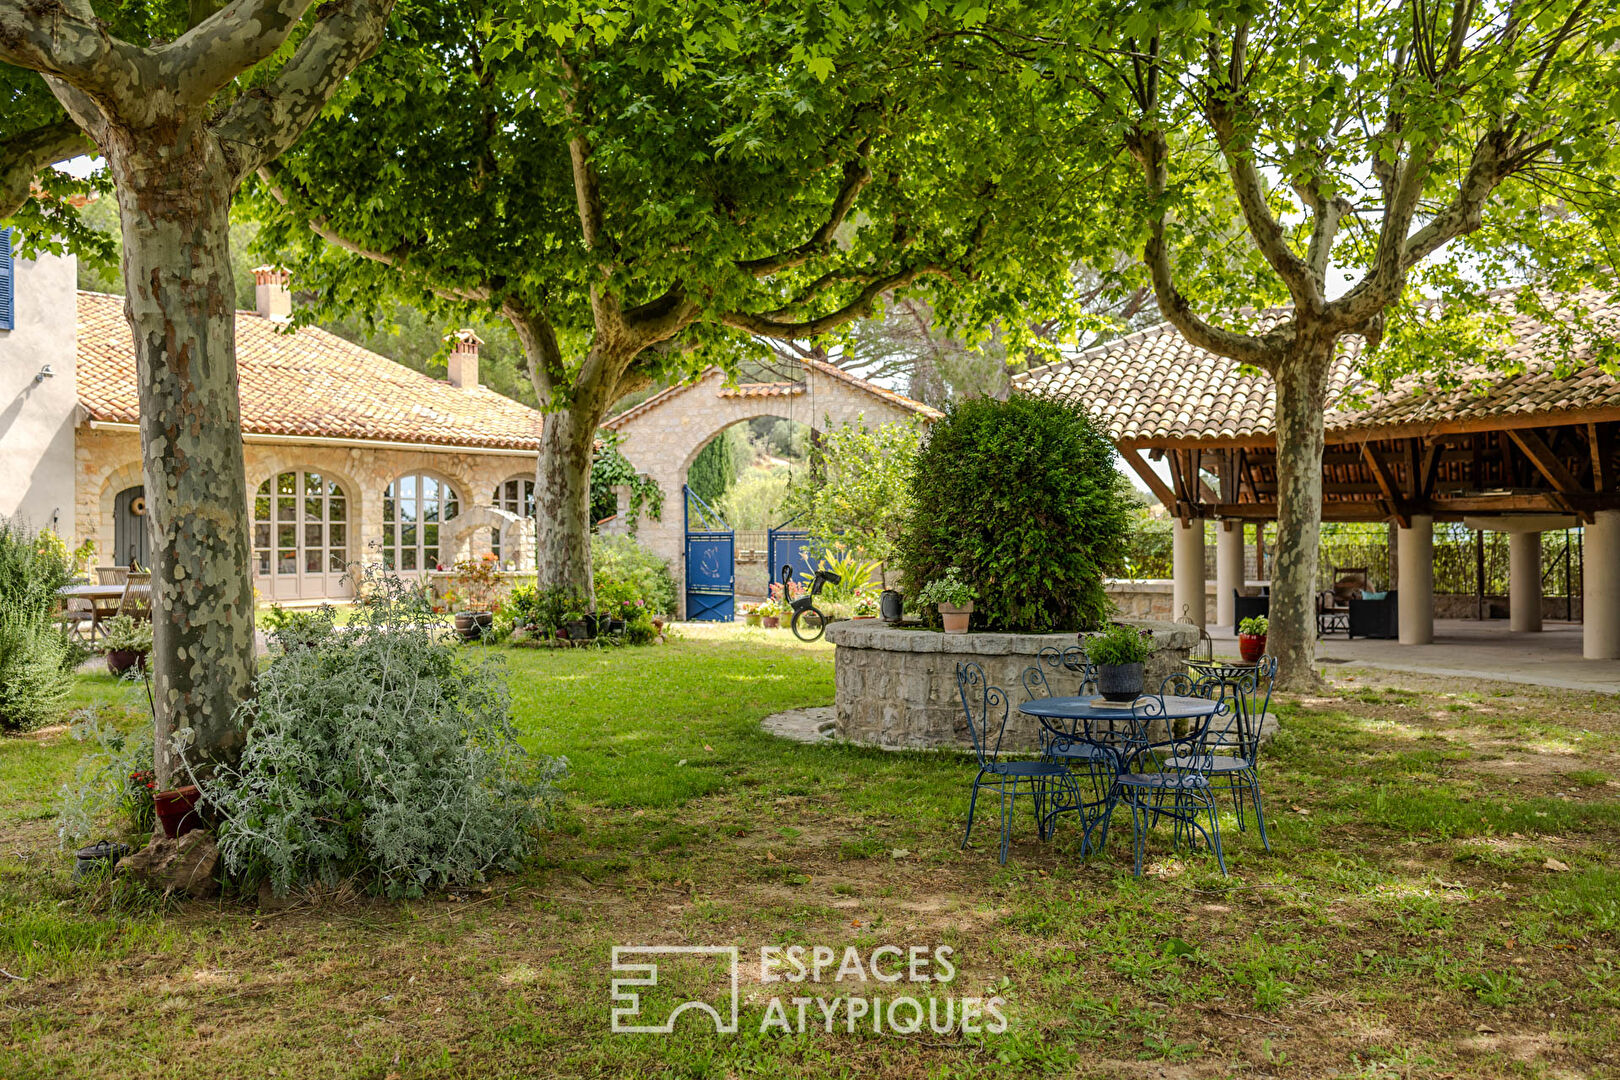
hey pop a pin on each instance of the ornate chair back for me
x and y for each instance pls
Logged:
(1158, 738)
(1050, 662)
(986, 709)
(1247, 694)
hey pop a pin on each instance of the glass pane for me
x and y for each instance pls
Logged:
(335, 510)
(388, 509)
(312, 510)
(333, 489)
(287, 509)
(388, 558)
(312, 561)
(407, 510)
(430, 535)
(286, 536)
(407, 536)
(262, 562)
(312, 483)
(287, 484)
(407, 487)
(261, 506)
(334, 563)
(312, 534)
(287, 562)
(430, 558)
(261, 535)
(335, 536)
(528, 498)
(407, 559)
(430, 510)
(495, 542)
(264, 488)
(450, 506)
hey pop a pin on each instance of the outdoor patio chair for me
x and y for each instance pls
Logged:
(1153, 788)
(1230, 754)
(1051, 663)
(986, 710)
(78, 618)
(137, 603)
(112, 575)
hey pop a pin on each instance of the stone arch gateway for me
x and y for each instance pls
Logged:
(663, 434)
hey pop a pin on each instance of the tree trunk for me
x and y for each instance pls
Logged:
(174, 204)
(562, 500)
(1301, 398)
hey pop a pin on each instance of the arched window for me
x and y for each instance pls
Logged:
(515, 496)
(414, 507)
(301, 535)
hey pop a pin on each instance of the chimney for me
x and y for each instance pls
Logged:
(270, 293)
(464, 359)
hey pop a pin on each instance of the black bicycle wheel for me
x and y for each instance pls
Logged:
(809, 624)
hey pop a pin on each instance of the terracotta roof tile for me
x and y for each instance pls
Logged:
(311, 383)
(1153, 386)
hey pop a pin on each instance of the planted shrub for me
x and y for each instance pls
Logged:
(382, 753)
(1023, 499)
(36, 657)
(622, 568)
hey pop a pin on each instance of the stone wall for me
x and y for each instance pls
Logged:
(37, 410)
(897, 687)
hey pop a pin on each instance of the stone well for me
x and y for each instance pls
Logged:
(896, 687)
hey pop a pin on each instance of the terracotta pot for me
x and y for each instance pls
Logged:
(771, 622)
(121, 660)
(177, 810)
(472, 625)
(1251, 647)
(956, 618)
(1119, 682)
(754, 618)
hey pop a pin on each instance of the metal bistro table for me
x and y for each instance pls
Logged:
(1082, 733)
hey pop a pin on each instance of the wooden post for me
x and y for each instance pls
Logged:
(1479, 574)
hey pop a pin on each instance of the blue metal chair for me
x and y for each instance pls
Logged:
(986, 709)
(1230, 756)
(1153, 787)
(1087, 754)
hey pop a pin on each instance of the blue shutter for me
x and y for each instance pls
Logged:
(8, 314)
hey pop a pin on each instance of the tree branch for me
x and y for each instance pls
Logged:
(857, 174)
(588, 195)
(539, 340)
(858, 308)
(66, 40)
(197, 64)
(267, 120)
(25, 154)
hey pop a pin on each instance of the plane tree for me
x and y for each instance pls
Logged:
(182, 101)
(642, 189)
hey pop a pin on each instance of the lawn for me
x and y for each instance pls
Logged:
(1444, 900)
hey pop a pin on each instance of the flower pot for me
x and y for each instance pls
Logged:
(1119, 682)
(615, 626)
(177, 810)
(121, 660)
(472, 625)
(581, 629)
(956, 617)
(891, 606)
(771, 622)
(754, 618)
(1251, 647)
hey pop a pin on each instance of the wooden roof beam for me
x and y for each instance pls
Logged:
(1548, 465)
(1386, 484)
(1154, 482)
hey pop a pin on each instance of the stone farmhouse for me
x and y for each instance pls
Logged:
(351, 458)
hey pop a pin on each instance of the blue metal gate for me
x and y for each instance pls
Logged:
(711, 553)
(786, 547)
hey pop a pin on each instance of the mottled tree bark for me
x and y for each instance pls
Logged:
(1301, 380)
(562, 499)
(174, 203)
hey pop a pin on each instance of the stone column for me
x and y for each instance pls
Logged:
(1600, 587)
(1187, 561)
(1415, 602)
(1228, 569)
(1524, 581)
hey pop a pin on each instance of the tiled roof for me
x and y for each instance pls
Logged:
(775, 389)
(310, 383)
(1154, 387)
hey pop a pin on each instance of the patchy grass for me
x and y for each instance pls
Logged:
(1413, 921)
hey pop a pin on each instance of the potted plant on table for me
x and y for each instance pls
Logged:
(479, 581)
(1119, 653)
(1252, 638)
(126, 642)
(865, 605)
(751, 615)
(954, 599)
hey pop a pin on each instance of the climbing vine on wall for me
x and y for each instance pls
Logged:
(609, 469)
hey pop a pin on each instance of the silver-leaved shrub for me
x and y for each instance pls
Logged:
(381, 752)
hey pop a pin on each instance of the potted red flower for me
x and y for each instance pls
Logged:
(177, 810)
(1252, 638)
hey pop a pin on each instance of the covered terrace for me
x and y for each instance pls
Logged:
(1518, 453)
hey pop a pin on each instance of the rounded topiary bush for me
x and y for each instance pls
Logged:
(1023, 499)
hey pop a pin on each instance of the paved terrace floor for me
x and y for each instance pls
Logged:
(1470, 649)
